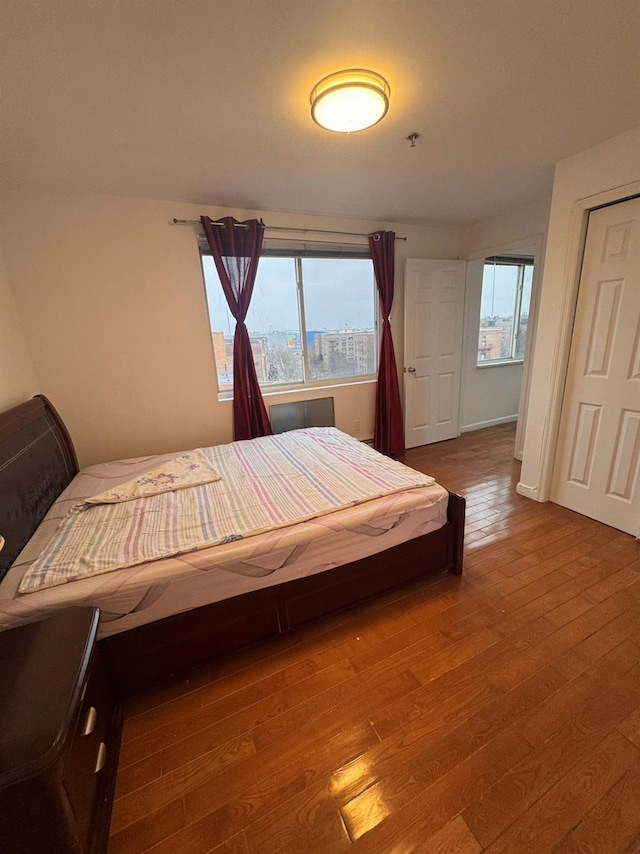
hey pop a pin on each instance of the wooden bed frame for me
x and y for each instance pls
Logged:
(37, 461)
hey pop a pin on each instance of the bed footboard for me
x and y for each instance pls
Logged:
(455, 517)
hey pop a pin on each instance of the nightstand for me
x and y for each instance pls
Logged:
(59, 737)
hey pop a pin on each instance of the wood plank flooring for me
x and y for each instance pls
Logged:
(498, 711)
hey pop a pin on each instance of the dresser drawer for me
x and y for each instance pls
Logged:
(92, 751)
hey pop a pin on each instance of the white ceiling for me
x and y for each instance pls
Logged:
(208, 101)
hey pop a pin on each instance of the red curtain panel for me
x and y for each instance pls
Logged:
(235, 247)
(388, 434)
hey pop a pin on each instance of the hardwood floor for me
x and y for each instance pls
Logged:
(498, 711)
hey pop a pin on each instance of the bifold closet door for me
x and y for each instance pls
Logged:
(597, 464)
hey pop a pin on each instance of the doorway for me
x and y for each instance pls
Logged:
(447, 391)
(501, 305)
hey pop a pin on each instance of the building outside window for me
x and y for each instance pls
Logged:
(504, 309)
(312, 320)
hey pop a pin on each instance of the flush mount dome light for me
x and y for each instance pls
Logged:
(350, 100)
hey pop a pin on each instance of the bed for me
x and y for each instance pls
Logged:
(170, 615)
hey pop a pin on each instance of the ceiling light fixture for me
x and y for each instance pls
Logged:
(350, 100)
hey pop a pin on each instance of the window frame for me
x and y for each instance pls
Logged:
(297, 255)
(521, 262)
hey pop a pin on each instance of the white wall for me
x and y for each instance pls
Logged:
(610, 169)
(491, 395)
(111, 300)
(18, 379)
(508, 229)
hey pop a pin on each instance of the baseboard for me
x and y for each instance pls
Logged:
(480, 425)
(528, 491)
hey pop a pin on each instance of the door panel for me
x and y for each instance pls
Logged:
(598, 456)
(625, 457)
(434, 301)
(446, 391)
(422, 399)
(587, 423)
(603, 330)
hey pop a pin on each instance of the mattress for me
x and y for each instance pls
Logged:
(244, 488)
(150, 591)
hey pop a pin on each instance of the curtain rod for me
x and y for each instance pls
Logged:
(282, 228)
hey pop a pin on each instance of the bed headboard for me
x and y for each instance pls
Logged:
(37, 461)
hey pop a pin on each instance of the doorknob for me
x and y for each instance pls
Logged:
(410, 370)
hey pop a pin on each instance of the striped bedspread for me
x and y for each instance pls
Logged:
(265, 484)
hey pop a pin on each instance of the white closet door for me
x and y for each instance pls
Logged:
(598, 455)
(434, 307)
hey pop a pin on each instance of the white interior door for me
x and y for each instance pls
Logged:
(434, 306)
(598, 454)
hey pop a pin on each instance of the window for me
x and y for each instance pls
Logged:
(312, 320)
(504, 309)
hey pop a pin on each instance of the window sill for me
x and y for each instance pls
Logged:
(499, 364)
(304, 389)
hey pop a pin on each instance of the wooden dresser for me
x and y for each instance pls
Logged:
(59, 738)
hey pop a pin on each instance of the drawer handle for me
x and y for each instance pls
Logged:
(90, 721)
(101, 758)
